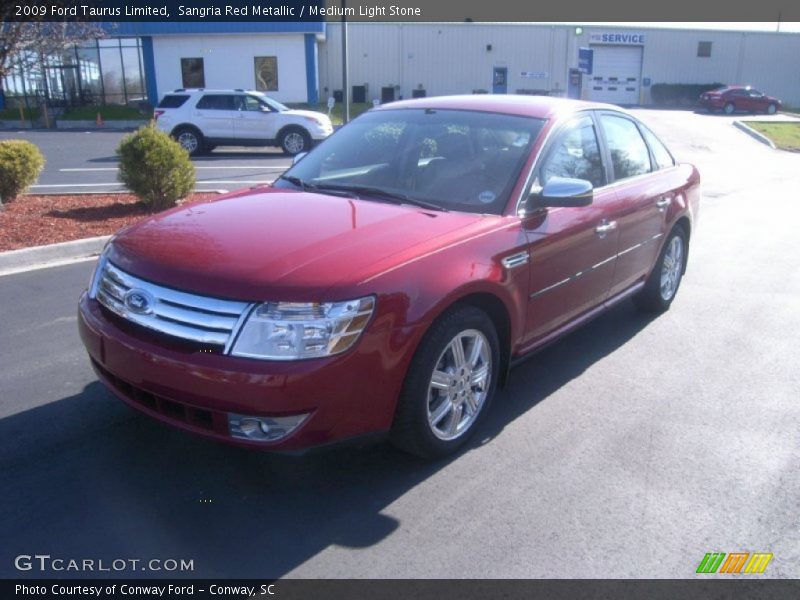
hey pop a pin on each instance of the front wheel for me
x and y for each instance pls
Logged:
(295, 140)
(662, 285)
(729, 108)
(772, 109)
(449, 386)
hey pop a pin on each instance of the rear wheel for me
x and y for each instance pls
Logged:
(729, 108)
(772, 109)
(449, 386)
(295, 140)
(190, 140)
(662, 285)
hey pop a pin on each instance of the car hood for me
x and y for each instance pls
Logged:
(283, 244)
(305, 113)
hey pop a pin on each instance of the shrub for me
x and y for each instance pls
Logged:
(155, 168)
(680, 93)
(20, 165)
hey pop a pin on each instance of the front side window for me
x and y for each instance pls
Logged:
(193, 73)
(454, 159)
(248, 103)
(629, 155)
(575, 155)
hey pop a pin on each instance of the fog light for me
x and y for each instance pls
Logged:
(263, 429)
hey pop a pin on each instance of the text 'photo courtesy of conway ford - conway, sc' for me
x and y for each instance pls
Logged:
(384, 285)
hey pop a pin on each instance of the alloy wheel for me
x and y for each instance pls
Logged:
(672, 268)
(459, 385)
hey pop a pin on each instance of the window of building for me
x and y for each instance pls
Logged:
(193, 73)
(704, 49)
(629, 153)
(266, 73)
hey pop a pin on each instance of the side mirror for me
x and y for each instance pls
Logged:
(298, 157)
(562, 192)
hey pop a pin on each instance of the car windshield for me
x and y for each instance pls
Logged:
(451, 159)
(272, 103)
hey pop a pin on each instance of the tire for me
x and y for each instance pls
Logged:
(772, 109)
(436, 415)
(294, 140)
(729, 108)
(190, 140)
(662, 285)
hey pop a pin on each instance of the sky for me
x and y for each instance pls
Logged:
(792, 26)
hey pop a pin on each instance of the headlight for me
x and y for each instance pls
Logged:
(98, 269)
(296, 330)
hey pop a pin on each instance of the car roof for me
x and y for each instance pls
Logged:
(543, 107)
(212, 91)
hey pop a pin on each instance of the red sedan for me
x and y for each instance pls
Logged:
(736, 98)
(387, 282)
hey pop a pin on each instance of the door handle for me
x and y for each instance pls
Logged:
(604, 228)
(664, 202)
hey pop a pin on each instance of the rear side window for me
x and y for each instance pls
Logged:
(173, 101)
(629, 155)
(660, 153)
(217, 102)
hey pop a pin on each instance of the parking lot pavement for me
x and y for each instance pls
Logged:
(628, 449)
(85, 161)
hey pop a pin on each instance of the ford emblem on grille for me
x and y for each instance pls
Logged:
(139, 301)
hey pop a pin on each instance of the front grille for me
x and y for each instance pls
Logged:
(200, 319)
(174, 411)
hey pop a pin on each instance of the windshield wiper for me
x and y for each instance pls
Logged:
(395, 197)
(303, 185)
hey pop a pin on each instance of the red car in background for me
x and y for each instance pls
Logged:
(736, 98)
(386, 283)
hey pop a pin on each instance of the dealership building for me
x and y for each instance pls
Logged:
(302, 62)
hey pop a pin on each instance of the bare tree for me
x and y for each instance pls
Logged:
(23, 43)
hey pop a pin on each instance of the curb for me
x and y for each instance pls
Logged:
(40, 257)
(754, 134)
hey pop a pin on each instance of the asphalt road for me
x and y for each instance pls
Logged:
(85, 161)
(628, 449)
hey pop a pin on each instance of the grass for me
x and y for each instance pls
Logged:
(785, 136)
(109, 112)
(12, 114)
(336, 113)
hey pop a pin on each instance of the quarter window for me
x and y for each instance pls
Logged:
(576, 155)
(704, 49)
(629, 155)
(661, 155)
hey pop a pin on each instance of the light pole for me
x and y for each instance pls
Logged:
(345, 86)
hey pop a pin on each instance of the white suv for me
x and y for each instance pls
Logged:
(203, 119)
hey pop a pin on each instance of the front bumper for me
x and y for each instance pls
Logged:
(346, 396)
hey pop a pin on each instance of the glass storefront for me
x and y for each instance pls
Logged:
(106, 71)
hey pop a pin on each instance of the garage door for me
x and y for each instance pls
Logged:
(616, 74)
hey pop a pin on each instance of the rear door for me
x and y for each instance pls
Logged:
(573, 250)
(214, 114)
(643, 197)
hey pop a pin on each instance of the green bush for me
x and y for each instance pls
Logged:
(155, 167)
(685, 94)
(20, 165)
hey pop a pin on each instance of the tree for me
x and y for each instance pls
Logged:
(24, 43)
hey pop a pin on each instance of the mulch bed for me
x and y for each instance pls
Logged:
(38, 220)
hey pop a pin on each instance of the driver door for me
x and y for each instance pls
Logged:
(254, 121)
(573, 250)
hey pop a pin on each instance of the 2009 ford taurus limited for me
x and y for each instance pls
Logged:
(386, 282)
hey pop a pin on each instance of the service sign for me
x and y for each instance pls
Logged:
(621, 39)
